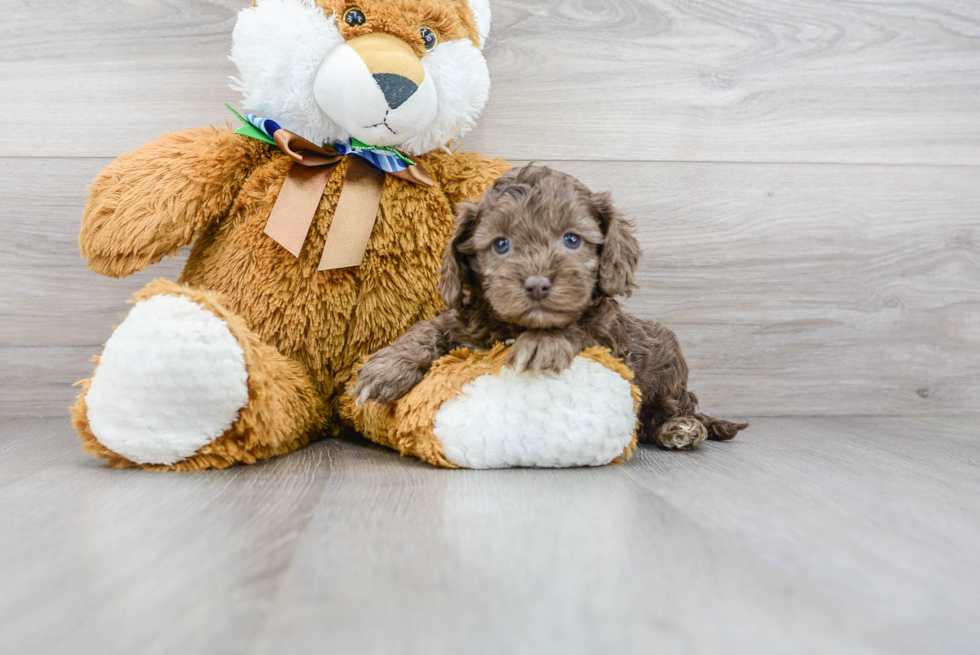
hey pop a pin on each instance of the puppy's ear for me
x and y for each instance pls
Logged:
(620, 252)
(457, 273)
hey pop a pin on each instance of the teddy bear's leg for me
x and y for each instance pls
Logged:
(184, 384)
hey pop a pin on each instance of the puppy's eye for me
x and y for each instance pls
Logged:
(572, 241)
(429, 38)
(354, 17)
(501, 246)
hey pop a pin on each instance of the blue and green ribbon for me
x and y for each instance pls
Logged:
(384, 158)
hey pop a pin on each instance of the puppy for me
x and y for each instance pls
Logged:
(537, 262)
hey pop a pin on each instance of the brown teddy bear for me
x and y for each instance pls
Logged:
(317, 230)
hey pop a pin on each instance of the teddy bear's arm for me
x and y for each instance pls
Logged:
(150, 202)
(466, 175)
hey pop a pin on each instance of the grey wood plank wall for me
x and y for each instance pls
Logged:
(805, 178)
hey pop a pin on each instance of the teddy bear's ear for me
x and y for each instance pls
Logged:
(481, 11)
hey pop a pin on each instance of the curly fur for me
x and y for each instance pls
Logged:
(489, 301)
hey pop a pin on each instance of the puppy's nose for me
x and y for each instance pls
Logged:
(537, 287)
(397, 89)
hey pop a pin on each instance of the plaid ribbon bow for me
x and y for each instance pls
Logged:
(357, 208)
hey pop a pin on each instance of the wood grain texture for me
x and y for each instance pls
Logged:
(115, 561)
(795, 290)
(890, 81)
(802, 535)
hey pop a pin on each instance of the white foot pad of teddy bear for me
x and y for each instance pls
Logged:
(583, 416)
(473, 411)
(172, 379)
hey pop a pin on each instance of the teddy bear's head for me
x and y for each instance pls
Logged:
(402, 73)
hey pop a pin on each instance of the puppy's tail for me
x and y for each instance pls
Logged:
(718, 429)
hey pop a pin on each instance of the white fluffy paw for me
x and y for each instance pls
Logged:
(172, 379)
(682, 433)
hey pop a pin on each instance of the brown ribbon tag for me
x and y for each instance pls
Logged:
(353, 220)
(357, 208)
(293, 213)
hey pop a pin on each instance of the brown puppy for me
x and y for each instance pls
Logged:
(537, 262)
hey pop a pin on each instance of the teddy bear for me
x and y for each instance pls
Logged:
(316, 230)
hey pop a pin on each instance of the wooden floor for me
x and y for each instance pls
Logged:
(803, 535)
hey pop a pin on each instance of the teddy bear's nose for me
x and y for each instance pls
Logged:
(393, 64)
(397, 89)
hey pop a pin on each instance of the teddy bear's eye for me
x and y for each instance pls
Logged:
(429, 38)
(501, 246)
(354, 17)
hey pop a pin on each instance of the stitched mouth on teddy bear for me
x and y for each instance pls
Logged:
(383, 122)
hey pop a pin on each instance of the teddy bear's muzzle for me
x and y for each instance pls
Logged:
(376, 88)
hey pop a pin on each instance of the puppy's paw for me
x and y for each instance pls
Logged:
(681, 433)
(541, 351)
(384, 382)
